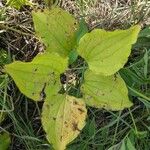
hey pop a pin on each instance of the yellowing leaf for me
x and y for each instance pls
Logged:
(106, 52)
(4, 141)
(63, 118)
(39, 76)
(107, 92)
(57, 29)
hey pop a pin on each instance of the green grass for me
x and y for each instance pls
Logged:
(104, 128)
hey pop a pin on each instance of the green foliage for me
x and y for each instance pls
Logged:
(107, 52)
(63, 116)
(83, 29)
(56, 28)
(51, 3)
(18, 3)
(107, 92)
(144, 39)
(4, 141)
(125, 144)
(42, 74)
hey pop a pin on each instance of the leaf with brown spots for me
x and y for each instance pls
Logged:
(69, 113)
(109, 92)
(40, 78)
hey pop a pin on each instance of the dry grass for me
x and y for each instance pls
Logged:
(19, 37)
(110, 14)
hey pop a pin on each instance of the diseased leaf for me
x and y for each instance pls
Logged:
(39, 77)
(18, 3)
(109, 92)
(56, 28)
(106, 52)
(63, 118)
(4, 141)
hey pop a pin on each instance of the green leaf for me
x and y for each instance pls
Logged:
(73, 56)
(106, 52)
(18, 3)
(39, 76)
(109, 92)
(56, 28)
(129, 144)
(116, 147)
(83, 29)
(63, 118)
(125, 144)
(142, 42)
(4, 141)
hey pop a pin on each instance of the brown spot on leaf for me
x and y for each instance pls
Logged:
(75, 127)
(75, 103)
(61, 137)
(81, 110)
(54, 118)
(35, 69)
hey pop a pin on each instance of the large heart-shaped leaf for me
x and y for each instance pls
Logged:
(57, 29)
(4, 141)
(109, 92)
(106, 52)
(39, 76)
(63, 118)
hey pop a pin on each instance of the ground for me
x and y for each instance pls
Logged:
(104, 128)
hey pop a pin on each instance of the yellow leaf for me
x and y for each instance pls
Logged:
(63, 118)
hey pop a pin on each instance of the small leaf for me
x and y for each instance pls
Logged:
(125, 144)
(73, 56)
(129, 144)
(83, 29)
(56, 28)
(39, 76)
(116, 147)
(105, 92)
(4, 141)
(92, 127)
(63, 118)
(18, 3)
(106, 52)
